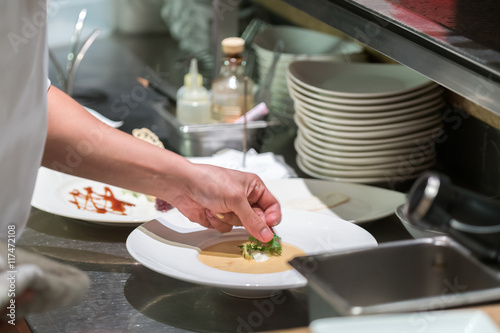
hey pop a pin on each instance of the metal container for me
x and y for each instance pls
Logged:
(205, 140)
(413, 275)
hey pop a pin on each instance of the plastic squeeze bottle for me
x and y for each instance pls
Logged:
(193, 101)
(228, 89)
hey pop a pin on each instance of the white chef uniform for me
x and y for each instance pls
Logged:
(23, 129)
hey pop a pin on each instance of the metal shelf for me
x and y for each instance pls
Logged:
(457, 60)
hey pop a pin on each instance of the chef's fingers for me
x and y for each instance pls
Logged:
(219, 225)
(228, 218)
(254, 222)
(261, 197)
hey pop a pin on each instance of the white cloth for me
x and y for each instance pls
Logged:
(266, 165)
(23, 130)
(23, 107)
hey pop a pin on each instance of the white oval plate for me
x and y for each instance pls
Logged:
(51, 195)
(170, 246)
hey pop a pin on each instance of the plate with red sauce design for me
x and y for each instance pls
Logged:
(84, 199)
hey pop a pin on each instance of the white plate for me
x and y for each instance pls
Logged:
(357, 80)
(367, 203)
(389, 179)
(339, 120)
(370, 115)
(432, 96)
(52, 194)
(294, 84)
(362, 164)
(393, 134)
(366, 126)
(170, 246)
(323, 153)
(341, 144)
(422, 162)
(450, 321)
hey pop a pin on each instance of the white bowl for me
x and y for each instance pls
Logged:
(304, 42)
(414, 230)
(357, 80)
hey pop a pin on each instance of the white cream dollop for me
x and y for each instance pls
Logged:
(259, 256)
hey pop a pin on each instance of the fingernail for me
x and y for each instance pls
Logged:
(266, 234)
(220, 216)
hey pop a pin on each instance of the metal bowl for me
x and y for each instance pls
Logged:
(414, 230)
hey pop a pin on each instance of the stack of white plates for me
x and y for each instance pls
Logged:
(365, 123)
(298, 44)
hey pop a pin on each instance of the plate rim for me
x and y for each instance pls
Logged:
(39, 193)
(299, 281)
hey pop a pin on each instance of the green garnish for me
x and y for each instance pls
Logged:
(273, 247)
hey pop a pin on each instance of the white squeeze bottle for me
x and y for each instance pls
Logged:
(193, 100)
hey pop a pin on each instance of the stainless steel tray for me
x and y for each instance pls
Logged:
(414, 275)
(205, 140)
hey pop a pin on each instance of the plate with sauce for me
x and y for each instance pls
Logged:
(173, 246)
(92, 201)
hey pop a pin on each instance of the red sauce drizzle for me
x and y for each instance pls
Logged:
(99, 203)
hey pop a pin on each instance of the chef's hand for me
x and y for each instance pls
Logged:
(222, 198)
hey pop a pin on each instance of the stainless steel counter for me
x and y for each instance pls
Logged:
(127, 297)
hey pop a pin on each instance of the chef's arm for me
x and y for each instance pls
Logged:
(81, 145)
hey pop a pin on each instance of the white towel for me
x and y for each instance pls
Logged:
(53, 284)
(266, 165)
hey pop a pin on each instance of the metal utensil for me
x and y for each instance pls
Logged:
(78, 59)
(75, 40)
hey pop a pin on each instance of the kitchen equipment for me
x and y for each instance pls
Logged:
(470, 218)
(415, 230)
(206, 140)
(411, 275)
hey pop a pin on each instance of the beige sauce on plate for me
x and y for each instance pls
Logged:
(226, 256)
